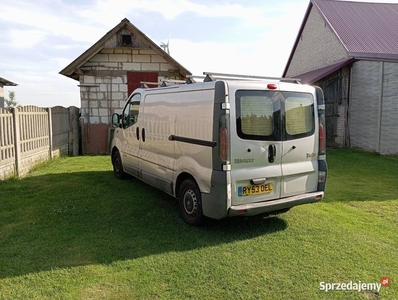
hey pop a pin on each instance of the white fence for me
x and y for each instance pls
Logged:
(30, 135)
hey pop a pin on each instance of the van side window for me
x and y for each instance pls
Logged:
(131, 111)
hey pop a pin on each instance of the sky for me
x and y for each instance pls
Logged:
(41, 37)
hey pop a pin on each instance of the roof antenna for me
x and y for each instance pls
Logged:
(165, 47)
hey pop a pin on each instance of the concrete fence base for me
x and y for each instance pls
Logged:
(30, 135)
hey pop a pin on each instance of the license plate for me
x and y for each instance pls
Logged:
(255, 189)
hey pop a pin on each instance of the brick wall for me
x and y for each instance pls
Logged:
(103, 88)
(374, 107)
(364, 105)
(389, 106)
(317, 46)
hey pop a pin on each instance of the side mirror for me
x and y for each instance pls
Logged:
(116, 120)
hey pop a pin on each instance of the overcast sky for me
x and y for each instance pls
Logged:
(40, 38)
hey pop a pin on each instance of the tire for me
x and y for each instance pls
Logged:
(118, 166)
(190, 202)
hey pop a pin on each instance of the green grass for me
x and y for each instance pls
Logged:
(71, 230)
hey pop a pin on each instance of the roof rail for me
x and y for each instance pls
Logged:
(211, 76)
(190, 78)
(144, 84)
(173, 80)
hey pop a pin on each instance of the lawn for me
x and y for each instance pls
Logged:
(71, 230)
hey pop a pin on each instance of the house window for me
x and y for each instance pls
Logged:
(126, 40)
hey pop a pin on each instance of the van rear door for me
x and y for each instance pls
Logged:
(300, 142)
(256, 146)
(273, 143)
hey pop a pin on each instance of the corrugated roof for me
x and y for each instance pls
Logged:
(314, 75)
(366, 30)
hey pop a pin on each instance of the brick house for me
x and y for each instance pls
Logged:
(3, 83)
(109, 71)
(350, 49)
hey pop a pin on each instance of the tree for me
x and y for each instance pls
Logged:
(11, 102)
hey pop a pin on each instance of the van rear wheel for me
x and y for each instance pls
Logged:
(117, 165)
(190, 201)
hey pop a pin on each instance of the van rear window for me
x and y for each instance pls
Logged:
(274, 115)
(299, 115)
(256, 115)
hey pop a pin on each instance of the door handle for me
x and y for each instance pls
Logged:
(137, 132)
(143, 134)
(271, 153)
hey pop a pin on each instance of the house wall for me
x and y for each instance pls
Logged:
(336, 91)
(103, 89)
(389, 108)
(1, 96)
(317, 46)
(374, 106)
(341, 137)
(364, 105)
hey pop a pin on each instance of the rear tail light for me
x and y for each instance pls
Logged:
(223, 144)
(322, 165)
(322, 140)
(322, 132)
(322, 123)
(224, 138)
(321, 176)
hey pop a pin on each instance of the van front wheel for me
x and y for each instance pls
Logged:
(190, 202)
(117, 165)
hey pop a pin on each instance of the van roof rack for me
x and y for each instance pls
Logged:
(165, 82)
(212, 76)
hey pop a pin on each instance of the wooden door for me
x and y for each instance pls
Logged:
(134, 79)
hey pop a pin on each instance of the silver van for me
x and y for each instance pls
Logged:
(227, 146)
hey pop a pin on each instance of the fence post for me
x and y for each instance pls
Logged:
(50, 132)
(73, 131)
(17, 141)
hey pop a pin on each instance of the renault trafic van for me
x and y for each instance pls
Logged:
(227, 146)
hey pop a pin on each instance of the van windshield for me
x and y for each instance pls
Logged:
(274, 115)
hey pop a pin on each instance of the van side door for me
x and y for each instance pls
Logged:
(156, 152)
(130, 144)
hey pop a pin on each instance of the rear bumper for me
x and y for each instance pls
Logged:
(253, 209)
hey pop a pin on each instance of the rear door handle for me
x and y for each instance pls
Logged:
(143, 134)
(137, 132)
(271, 153)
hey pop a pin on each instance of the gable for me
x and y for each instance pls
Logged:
(124, 38)
(333, 31)
(316, 46)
